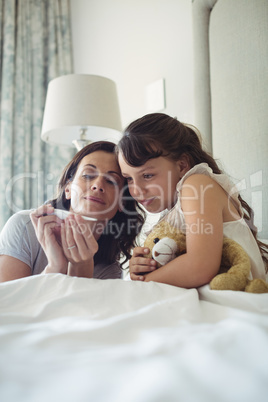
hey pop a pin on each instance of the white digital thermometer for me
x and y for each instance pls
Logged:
(62, 214)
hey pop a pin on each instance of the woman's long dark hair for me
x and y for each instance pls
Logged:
(120, 233)
(158, 134)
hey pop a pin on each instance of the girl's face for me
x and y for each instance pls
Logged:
(96, 187)
(153, 184)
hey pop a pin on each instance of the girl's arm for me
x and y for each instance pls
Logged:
(202, 201)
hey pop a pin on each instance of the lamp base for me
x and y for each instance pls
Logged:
(79, 144)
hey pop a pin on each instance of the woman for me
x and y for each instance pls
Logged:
(91, 185)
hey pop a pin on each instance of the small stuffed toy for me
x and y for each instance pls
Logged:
(166, 243)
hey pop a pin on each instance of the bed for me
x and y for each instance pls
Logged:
(74, 339)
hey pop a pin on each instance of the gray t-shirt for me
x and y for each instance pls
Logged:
(18, 240)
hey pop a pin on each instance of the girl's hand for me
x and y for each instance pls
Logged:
(139, 265)
(79, 245)
(47, 229)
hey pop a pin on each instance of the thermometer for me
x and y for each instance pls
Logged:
(62, 214)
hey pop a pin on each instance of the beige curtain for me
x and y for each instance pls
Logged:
(35, 48)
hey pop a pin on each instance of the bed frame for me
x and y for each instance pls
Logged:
(231, 93)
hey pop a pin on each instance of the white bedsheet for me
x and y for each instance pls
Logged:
(79, 340)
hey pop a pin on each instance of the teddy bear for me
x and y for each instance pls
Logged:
(166, 242)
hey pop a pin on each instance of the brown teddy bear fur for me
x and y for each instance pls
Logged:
(235, 263)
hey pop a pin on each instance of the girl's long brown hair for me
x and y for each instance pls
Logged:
(158, 134)
(129, 221)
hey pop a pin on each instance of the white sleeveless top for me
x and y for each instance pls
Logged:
(237, 230)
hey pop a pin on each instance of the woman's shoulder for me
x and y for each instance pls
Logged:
(20, 218)
(14, 231)
(18, 240)
(18, 224)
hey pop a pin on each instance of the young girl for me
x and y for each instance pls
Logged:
(167, 169)
(91, 185)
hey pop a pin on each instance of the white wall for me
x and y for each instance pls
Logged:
(134, 43)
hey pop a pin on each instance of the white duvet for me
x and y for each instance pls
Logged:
(78, 340)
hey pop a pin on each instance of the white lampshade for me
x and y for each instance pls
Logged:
(81, 101)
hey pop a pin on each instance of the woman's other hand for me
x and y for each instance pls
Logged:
(48, 231)
(79, 245)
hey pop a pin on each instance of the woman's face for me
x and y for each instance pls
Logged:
(96, 187)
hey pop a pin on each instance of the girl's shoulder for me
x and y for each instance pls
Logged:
(200, 169)
(201, 192)
(196, 185)
(202, 173)
(197, 179)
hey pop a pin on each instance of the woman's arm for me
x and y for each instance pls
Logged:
(15, 259)
(12, 268)
(202, 201)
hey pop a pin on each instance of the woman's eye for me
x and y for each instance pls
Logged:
(88, 176)
(128, 179)
(112, 182)
(148, 176)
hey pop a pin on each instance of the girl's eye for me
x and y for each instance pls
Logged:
(128, 179)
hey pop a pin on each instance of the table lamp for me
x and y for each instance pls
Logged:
(80, 109)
